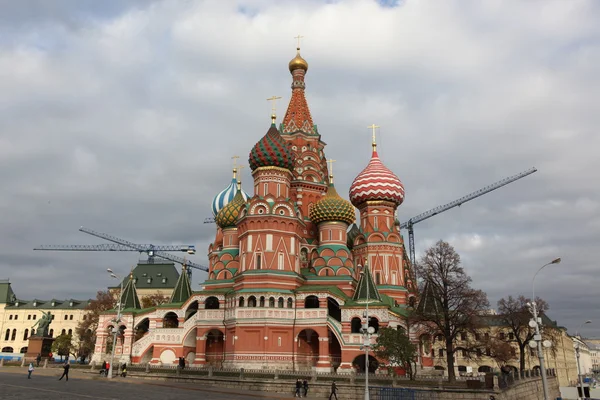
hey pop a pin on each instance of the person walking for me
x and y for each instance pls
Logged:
(65, 374)
(38, 359)
(30, 370)
(305, 386)
(124, 370)
(333, 391)
(103, 368)
(298, 388)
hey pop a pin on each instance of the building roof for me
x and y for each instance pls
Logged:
(366, 291)
(153, 276)
(332, 208)
(129, 297)
(68, 304)
(271, 151)
(6, 293)
(183, 288)
(430, 301)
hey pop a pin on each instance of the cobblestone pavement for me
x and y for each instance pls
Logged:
(44, 385)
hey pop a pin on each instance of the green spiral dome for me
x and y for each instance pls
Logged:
(228, 215)
(332, 208)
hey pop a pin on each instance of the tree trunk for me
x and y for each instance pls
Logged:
(450, 360)
(522, 356)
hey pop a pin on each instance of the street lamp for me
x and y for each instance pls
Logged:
(579, 371)
(582, 324)
(117, 321)
(536, 324)
(367, 332)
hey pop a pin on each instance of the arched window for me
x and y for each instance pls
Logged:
(290, 302)
(63, 332)
(170, 320)
(70, 332)
(374, 322)
(211, 303)
(311, 302)
(241, 302)
(25, 334)
(411, 301)
(271, 302)
(252, 301)
(7, 334)
(280, 302)
(262, 301)
(355, 325)
(14, 334)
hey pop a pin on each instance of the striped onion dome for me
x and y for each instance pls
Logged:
(227, 195)
(332, 208)
(227, 216)
(376, 182)
(271, 151)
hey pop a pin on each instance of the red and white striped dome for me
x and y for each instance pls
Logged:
(376, 182)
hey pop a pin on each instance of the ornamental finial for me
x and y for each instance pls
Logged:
(374, 142)
(273, 100)
(330, 162)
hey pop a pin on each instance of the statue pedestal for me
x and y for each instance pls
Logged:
(39, 345)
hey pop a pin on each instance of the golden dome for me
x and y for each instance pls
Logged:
(298, 62)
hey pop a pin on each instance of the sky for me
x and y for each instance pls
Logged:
(123, 116)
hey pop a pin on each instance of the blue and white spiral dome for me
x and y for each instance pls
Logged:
(225, 196)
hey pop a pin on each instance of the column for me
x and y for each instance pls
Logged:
(200, 349)
(324, 363)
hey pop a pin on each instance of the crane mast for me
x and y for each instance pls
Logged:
(456, 203)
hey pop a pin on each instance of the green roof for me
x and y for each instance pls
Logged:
(366, 291)
(183, 288)
(129, 297)
(153, 276)
(6, 293)
(331, 289)
(430, 302)
(69, 304)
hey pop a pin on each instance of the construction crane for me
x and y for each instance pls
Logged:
(456, 203)
(125, 245)
(209, 220)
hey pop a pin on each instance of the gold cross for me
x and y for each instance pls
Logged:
(298, 37)
(235, 168)
(330, 162)
(239, 181)
(273, 100)
(374, 127)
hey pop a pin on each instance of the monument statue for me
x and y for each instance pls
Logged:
(43, 324)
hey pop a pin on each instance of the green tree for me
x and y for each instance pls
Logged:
(63, 346)
(394, 346)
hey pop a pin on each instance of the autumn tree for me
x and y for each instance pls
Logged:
(154, 300)
(449, 307)
(394, 346)
(515, 315)
(500, 351)
(87, 327)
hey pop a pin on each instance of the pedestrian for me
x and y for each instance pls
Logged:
(103, 368)
(107, 369)
(30, 370)
(305, 386)
(298, 387)
(38, 359)
(65, 374)
(333, 391)
(124, 370)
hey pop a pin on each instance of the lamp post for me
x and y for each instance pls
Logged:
(579, 371)
(367, 331)
(117, 321)
(582, 324)
(538, 336)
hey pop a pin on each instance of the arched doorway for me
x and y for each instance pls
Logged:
(307, 352)
(215, 346)
(355, 325)
(170, 320)
(359, 364)
(191, 310)
(333, 309)
(211, 303)
(142, 329)
(311, 302)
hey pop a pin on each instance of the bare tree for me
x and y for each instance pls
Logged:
(449, 306)
(155, 299)
(515, 315)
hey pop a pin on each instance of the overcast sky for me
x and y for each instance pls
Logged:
(123, 117)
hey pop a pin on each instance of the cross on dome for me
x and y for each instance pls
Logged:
(298, 38)
(330, 162)
(273, 100)
(374, 128)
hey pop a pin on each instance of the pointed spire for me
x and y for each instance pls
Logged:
(183, 287)
(366, 284)
(297, 117)
(430, 302)
(129, 297)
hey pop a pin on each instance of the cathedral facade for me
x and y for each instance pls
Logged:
(291, 268)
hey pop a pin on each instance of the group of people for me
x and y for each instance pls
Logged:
(300, 385)
(66, 367)
(106, 367)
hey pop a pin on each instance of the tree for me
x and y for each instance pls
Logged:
(502, 352)
(515, 315)
(154, 300)
(87, 327)
(394, 346)
(63, 345)
(450, 306)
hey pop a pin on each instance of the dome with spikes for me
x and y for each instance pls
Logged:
(228, 215)
(376, 182)
(271, 151)
(226, 196)
(332, 208)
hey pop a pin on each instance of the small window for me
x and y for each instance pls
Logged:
(66, 317)
(290, 302)
(241, 302)
(511, 336)
(70, 333)
(16, 317)
(266, 189)
(164, 280)
(258, 261)
(262, 301)
(29, 316)
(71, 317)
(280, 302)
(463, 336)
(488, 352)
(279, 341)
(34, 316)
(464, 353)
(10, 317)
(378, 278)
(441, 352)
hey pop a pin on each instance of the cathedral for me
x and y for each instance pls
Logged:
(291, 268)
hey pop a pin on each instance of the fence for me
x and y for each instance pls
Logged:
(387, 393)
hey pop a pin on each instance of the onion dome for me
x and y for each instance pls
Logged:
(271, 151)
(298, 62)
(376, 182)
(332, 208)
(227, 195)
(228, 215)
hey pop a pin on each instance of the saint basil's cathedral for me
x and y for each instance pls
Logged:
(290, 270)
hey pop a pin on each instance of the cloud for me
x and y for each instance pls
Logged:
(123, 116)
